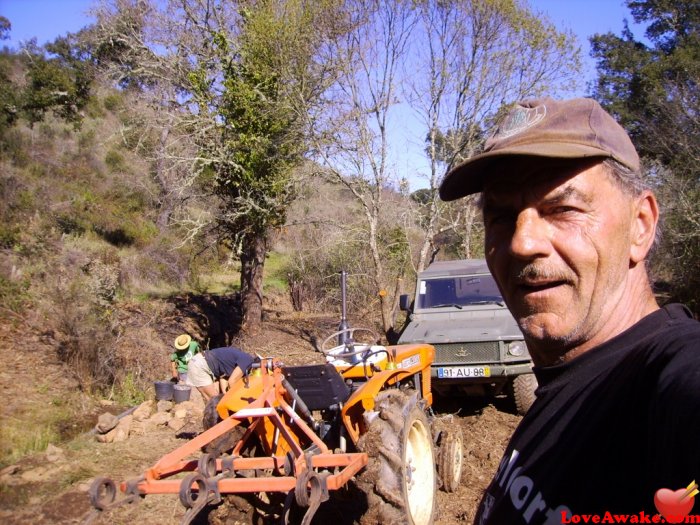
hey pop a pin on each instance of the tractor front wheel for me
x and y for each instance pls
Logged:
(223, 443)
(450, 459)
(400, 479)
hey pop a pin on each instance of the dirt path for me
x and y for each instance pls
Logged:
(51, 488)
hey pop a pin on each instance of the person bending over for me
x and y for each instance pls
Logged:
(216, 368)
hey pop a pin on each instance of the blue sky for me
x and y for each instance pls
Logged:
(47, 19)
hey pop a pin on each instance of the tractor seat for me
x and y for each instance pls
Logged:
(319, 386)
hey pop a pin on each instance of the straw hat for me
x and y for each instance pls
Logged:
(182, 341)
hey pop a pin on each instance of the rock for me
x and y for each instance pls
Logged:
(164, 406)
(138, 428)
(125, 423)
(106, 402)
(10, 475)
(180, 413)
(185, 405)
(106, 422)
(160, 418)
(120, 434)
(106, 438)
(176, 423)
(9, 471)
(143, 411)
(53, 453)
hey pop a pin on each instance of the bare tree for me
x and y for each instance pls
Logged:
(353, 142)
(472, 57)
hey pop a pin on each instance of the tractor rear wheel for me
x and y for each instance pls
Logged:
(400, 479)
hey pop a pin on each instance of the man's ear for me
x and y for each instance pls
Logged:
(644, 222)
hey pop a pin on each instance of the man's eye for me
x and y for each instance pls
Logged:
(562, 210)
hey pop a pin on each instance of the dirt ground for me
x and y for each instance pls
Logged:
(51, 487)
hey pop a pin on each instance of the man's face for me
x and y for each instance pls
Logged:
(558, 242)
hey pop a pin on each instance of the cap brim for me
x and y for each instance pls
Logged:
(468, 177)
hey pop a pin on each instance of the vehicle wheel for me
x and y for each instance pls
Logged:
(523, 392)
(400, 479)
(223, 443)
(450, 459)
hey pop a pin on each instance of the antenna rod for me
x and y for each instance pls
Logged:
(343, 337)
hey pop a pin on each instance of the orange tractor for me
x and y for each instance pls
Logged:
(363, 417)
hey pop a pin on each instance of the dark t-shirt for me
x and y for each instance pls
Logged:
(222, 361)
(608, 429)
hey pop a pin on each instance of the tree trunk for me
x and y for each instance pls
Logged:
(470, 215)
(165, 197)
(252, 266)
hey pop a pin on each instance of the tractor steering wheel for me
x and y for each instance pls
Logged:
(369, 334)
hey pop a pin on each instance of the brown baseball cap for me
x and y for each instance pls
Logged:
(563, 129)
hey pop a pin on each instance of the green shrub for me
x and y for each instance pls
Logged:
(14, 294)
(36, 171)
(114, 161)
(113, 102)
(69, 224)
(12, 145)
(25, 201)
(17, 439)
(9, 235)
(87, 139)
(47, 130)
(276, 265)
(94, 109)
(128, 392)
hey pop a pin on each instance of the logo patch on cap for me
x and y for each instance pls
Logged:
(520, 119)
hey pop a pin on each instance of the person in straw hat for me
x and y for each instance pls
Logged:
(185, 350)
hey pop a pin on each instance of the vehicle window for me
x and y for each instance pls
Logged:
(458, 291)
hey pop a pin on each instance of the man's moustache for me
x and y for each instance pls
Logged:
(538, 272)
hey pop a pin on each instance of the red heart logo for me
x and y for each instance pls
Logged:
(674, 506)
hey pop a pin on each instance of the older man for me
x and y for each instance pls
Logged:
(568, 226)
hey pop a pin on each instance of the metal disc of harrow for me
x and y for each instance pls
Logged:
(207, 465)
(102, 492)
(188, 496)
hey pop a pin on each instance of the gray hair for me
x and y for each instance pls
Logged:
(628, 180)
(632, 183)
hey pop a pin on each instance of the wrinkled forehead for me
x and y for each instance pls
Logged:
(532, 174)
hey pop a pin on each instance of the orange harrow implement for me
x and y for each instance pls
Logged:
(304, 431)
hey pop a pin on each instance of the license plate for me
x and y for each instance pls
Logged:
(459, 372)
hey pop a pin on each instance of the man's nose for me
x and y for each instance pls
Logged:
(530, 236)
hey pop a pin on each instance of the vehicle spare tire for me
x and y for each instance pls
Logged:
(523, 392)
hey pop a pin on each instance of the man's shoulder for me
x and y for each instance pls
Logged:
(670, 331)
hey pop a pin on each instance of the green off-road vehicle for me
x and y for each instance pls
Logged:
(479, 348)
